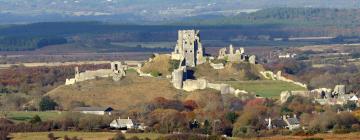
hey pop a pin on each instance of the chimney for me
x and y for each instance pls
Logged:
(269, 123)
(295, 116)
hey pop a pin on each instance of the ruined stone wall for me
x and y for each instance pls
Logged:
(278, 76)
(178, 78)
(189, 47)
(117, 71)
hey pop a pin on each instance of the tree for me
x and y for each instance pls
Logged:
(190, 105)
(231, 116)
(350, 105)
(35, 119)
(47, 103)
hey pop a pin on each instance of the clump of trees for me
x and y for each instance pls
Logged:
(46, 103)
(19, 84)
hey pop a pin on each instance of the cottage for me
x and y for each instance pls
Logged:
(95, 110)
(284, 122)
(275, 123)
(292, 123)
(122, 124)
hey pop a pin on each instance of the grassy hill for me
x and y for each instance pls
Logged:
(130, 91)
(231, 72)
(134, 90)
(160, 63)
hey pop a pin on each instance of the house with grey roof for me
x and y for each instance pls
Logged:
(291, 123)
(94, 110)
(283, 122)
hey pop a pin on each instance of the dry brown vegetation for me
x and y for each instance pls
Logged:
(159, 64)
(328, 136)
(130, 91)
(232, 71)
(119, 95)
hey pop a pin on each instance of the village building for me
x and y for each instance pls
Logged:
(336, 96)
(94, 110)
(122, 124)
(287, 122)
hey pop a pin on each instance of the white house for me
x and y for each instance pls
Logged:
(122, 124)
(94, 110)
(354, 98)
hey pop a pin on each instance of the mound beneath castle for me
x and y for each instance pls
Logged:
(231, 72)
(130, 91)
(105, 92)
(160, 63)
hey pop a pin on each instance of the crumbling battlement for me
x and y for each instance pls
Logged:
(236, 55)
(270, 75)
(117, 71)
(189, 48)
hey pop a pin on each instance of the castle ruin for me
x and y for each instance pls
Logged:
(237, 55)
(189, 48)
(117, 71)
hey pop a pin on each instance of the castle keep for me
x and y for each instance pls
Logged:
(189, 48)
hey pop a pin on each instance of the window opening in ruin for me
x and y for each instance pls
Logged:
(116, 66)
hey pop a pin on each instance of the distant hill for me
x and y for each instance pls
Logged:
(140, 11)
(262, 25)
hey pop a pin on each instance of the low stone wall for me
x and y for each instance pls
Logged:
(217, 66)
(284, 96)
(278, 76)
(192, 85)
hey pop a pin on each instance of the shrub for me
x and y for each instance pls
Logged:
(174, 64)
(51, 136)
(119, 136)
(47, 103)
(155, 73)
(4, 135)
(35, 119)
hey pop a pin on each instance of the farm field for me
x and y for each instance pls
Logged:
(83, 135)
(265, 88)
(21, 116)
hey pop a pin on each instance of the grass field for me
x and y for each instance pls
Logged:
(20, 116)
(265, 88)
(83, 135)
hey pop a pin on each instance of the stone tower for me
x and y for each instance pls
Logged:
(189, 48)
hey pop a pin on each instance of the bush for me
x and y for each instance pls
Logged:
(51, 136)
(155, 73)
(35, 119)
(119, 136)
(47, 103)
(4, 135)
(174, 64)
